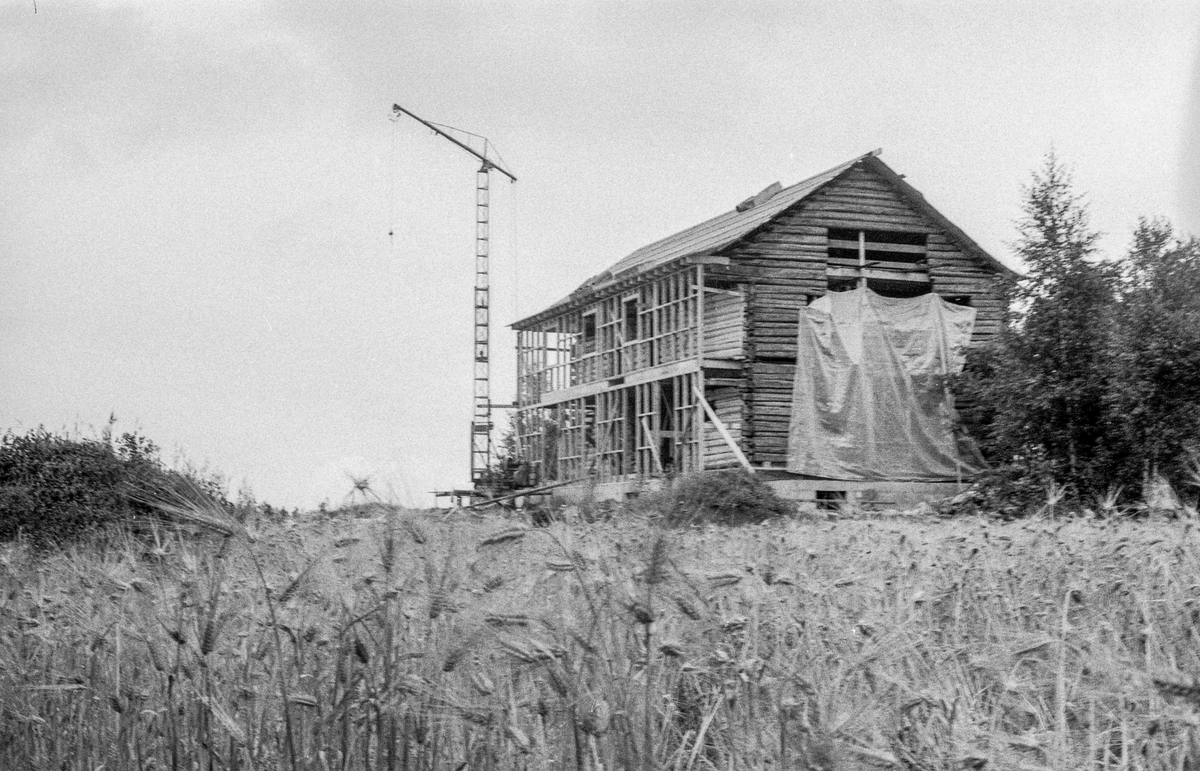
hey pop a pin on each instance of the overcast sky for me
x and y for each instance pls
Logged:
(195, 198)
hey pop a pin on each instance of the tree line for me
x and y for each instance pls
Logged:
(1093, 385)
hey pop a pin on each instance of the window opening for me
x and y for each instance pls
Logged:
(666, 422)
(899, 288)
(891, 263)
(830, 500)
(589, 425)
(631, 320)
(880, 245)
(589, 332)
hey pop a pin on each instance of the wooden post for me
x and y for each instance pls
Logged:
(519, 493)
(862, 259)
(653, 444)
(698, 380)
(723, 431)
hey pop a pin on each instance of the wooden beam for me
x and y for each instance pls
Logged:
(518, 494)
(653, 444)
(662, 371)
(723, 431)
(698, 380)
(877, 246)
(647, 375)
(917, 276)
(862, 258)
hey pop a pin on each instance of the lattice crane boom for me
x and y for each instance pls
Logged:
(482, 449)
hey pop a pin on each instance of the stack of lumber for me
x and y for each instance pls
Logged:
(770, 407)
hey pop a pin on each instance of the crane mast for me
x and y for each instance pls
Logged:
(482, 448)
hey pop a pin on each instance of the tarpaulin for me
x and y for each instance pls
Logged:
(870, 400)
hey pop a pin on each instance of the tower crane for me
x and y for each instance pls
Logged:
(482, 449)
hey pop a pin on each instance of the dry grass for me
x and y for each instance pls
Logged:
(414, 641)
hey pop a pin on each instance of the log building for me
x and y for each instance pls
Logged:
(681, 356)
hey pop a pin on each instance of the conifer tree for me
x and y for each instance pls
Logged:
(1040, 390)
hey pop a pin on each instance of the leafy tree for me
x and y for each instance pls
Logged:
(1154, 385)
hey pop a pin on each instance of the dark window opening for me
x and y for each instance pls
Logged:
(909, 258)
(958, 299)
(830, 500)
(589, 423)
(842, 284)
(589, 332)
(898, 288)
(879, 236)
(839, 253)
(880, 245)
(896, 237)
(631, 320)
(666, 423)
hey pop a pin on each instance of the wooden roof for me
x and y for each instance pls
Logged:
(724, 230)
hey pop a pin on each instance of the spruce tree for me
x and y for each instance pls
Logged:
(1040, 390)
(1065, 325)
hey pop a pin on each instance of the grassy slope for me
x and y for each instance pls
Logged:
(410, 642)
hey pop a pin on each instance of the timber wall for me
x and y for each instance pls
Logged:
(783, 267)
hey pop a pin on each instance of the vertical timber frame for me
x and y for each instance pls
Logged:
(697, 387)
(606, 388)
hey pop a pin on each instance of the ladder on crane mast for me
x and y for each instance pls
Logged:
(482, 446)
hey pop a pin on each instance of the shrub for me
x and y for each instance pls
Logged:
(55, 489)
(727, 497)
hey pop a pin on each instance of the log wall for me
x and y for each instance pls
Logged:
(724, 325)
(783, 267)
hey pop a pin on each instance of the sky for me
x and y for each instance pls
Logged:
(211, 230)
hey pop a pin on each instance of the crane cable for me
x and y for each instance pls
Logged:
(391, 213)
(516, 249)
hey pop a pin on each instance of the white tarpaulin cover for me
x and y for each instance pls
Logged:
(870, 400)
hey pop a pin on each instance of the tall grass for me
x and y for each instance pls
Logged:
(416, 642)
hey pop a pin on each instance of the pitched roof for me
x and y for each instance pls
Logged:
(725, 229)
(722, 230)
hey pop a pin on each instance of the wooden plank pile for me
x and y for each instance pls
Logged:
(770, 405)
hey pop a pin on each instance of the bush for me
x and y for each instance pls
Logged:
(728, 497)
(55, 489)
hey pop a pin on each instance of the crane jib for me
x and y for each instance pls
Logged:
(488, 162)
(482, 446)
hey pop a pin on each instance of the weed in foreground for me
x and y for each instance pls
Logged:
(728, 497)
